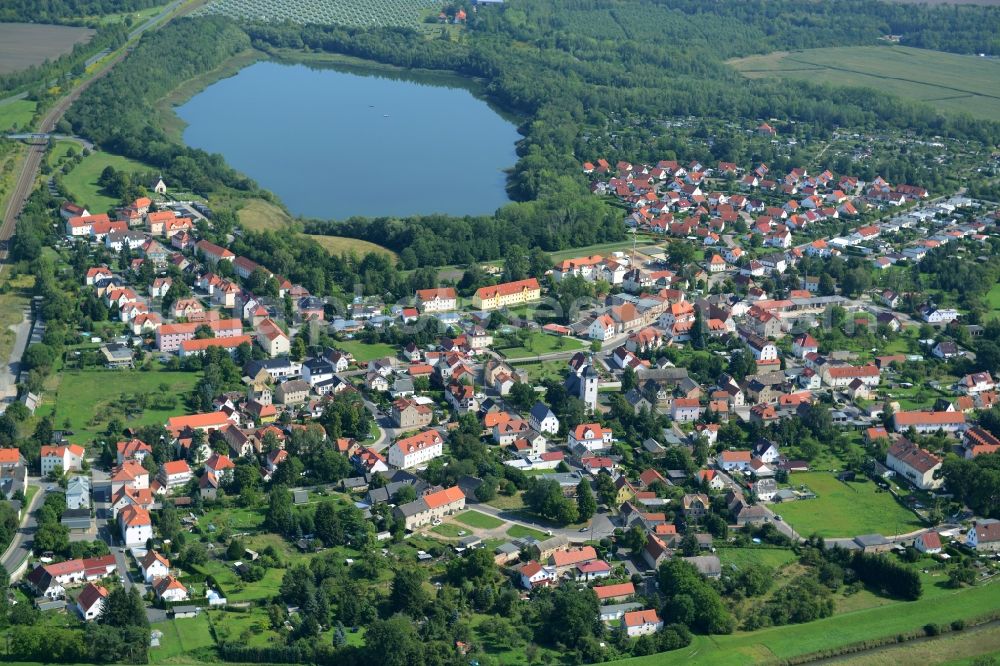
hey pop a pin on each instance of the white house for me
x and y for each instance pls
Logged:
(90, 602)
(437, 300)
(543, 419)
(602, 328)
(928, 542)
(641, 623)
(154, 566)
(67, 458)
(535, 575)
(169, 588)
(984, 535)
(685, 410)
(591, 436)
(915, 464)
(136, 526)
(416, 450)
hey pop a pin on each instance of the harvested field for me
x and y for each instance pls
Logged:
(25, 44)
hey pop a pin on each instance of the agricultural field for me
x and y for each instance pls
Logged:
(844, 509)
(25, 44)
(355, 13)
(959, 647)
(343, 245)
(781, 643)
(137, 397)
(16, 114)
(82, 185)
(950, 83)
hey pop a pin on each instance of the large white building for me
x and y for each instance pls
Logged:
(415, 451)
(591, 436)
(67, 458)
(915, 464)
(641, 623)
(136, 526)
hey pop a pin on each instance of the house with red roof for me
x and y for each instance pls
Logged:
(174, 474)
(169, 588)
(535, 575)
(416, 450)
(90, 601)
(590, 437)
(735, 460)
(929, 542)
(430, 507)
(65, 457)
(641, 623)
(135, 525)
(154, 566)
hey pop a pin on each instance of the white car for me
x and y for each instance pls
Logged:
(436, 522)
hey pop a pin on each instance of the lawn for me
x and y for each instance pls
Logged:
(538, 372)
(16, 114)
(845, 509)
(180, 637)
(364, 352)
(450, 530)
(781, 643)
(769, 557)
(88, 410)
(520, 531)
(479, 520)
(343, 245)
(252, 629)
(948, 82)
(538, 343)
(236, 519)
(82, 185)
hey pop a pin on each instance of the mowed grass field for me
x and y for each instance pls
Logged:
(541, 343)
(479, 520)
(844, 509)
(81, 182)
(948, 82)
(25, 44)
(16, 114)
(779, 643)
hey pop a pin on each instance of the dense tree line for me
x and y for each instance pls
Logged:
(56, 11)
(976, 482)
(117, 113)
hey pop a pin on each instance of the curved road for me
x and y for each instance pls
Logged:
(21, 544)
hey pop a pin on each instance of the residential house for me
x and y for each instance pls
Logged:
(154, 566)
(135, 525)
(431, 507)
(416, 450)
(90, 601)
(590, 436)
(915, 464)
(67, 458)
(641, 623)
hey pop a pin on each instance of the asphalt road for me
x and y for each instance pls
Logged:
(23, 539)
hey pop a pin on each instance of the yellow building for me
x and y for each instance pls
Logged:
(507, 294)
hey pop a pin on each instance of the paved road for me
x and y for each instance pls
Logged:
(9, 372)
(21, 545)
(601, 525)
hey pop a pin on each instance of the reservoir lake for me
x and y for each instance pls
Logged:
(337, 142)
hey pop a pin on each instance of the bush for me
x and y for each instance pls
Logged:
(958, 625)
(931, 630)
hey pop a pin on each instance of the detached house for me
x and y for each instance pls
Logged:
(135, 525)
(590, 436)
(915, 464)
(416, 450)
(543, 419)
(66, 458)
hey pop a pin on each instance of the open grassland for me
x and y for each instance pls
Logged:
(948, 82)
(82, 185)
(88, 410)
(604, 249)
(778, 643)
(959, 647)
(844, 509)
(16, 114)
(355, 13)
(260, 215)
(344, 245)
(25, 44)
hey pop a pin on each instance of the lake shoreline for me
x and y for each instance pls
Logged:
(337, 138)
